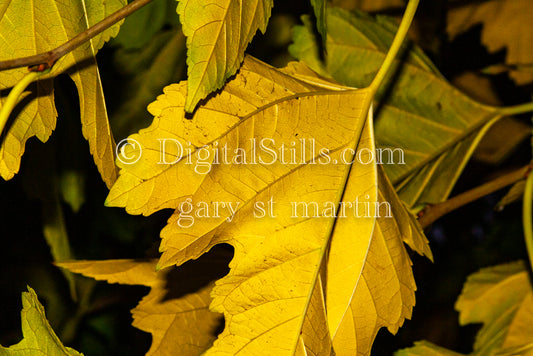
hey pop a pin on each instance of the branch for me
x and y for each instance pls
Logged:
(43, 61)
(431, 213)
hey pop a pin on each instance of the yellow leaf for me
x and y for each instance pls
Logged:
(407, 226)
(315, 338)
(270, 287)
(384, 294)
(299, 262)
(218, 32)
(503, 28)
(39, 338)
(129, 272)
(177, 322)
(29, 28)
(348, 254)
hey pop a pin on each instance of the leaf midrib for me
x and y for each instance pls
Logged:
(240, 122)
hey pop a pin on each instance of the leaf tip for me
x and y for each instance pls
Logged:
(30, 290)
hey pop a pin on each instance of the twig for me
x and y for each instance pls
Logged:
(14, 95)
(527, 217)
(433, 212)
(397, 43)
(43, 61)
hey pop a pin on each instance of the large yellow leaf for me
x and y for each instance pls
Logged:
(503, 28)
(31, 27)
(182, 323)
(218, 32)
(269, 289)
(295, 273)
(39, 338)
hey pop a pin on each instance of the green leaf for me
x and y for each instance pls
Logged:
(158, 64)
(319, 7)
(139, 27)
(218, 32)
(39, 338)
(55, 233)
(71, 187)
(47, 189)
(437, 131)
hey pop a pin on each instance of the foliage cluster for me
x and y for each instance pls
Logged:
(250, 274)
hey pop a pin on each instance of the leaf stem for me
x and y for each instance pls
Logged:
(527, 217)
(515, 110)
(49, 58)
(396, 45)
(431, 213)
(14, 95)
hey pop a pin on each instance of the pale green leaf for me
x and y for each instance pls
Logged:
(436, 127)
(218, 32)
(39, 338)
(501, 298)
